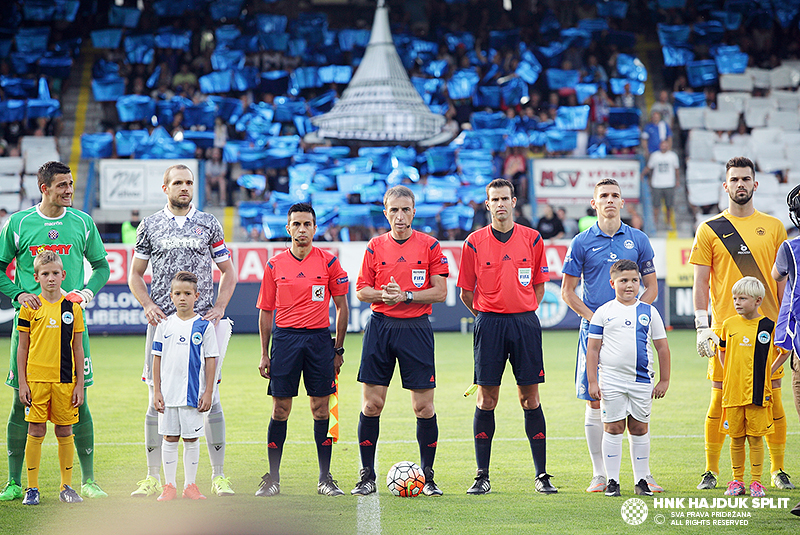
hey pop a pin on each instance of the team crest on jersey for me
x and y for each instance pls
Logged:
(318, 292)
(198, 231)
(628, 244)
(644, 320)
(761, 231)
(418, 277)
(524, 276)
(197, 339)
(763, 337)
(53, 234)
(67, 318)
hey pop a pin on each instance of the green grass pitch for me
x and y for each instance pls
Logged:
(118, 401)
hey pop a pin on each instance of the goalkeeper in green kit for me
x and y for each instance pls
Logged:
(51, 225)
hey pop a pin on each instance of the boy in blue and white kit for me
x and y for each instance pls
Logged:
(184, 367)
(619, 341)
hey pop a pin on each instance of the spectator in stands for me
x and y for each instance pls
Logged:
(549, 225)
(3, 217)
(594, 72)
(663, 170)
(128, 230)
(570, 224)
(217, 177)
(599, 105)
(656, 131)
(626, 99)
(588, 220)
(599, 139)
(184, 78)
(741, 136)
(220, 132)
(664, 107)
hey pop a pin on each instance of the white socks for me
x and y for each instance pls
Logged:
(593, 427)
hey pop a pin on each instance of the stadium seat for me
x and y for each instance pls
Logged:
(690, 118)
(785, 120)
(12, 165)
(10, 201)
(35, 157)
(725, 151)
(784, 77)
(700, 144)
(786, 100)
(760, 77)
(732, 101)
(722, 120)
(736, 82)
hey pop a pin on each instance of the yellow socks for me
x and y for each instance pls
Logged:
(738, 457)
(33, 456)
(714, 440)
(66, 454)
(777, 441)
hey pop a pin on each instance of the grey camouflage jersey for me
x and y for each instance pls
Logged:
(171, 248)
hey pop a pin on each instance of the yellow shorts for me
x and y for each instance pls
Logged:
(750, 420)
(51, 401)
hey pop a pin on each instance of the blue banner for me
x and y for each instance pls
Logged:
(97, 145)
(572, 117)
(614, 9)
(127, 140)
(676, 57)
(701, 73)
(32, 39)
(630, 67)
(132, 108)
(109, 38)
(215, 82)
(689, 100)
(108, 89)
(12, 111)
(223, 59)
(127, 17)
(624, 137)
(558, 79)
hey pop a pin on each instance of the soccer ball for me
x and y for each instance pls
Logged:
(405, 479)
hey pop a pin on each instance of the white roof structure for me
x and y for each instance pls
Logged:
(380, 103)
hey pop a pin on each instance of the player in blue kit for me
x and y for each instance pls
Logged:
(590, 255)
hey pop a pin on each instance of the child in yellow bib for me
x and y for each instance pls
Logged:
(748, 357)
(51, 368)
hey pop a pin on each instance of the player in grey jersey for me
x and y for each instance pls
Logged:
(182, 238)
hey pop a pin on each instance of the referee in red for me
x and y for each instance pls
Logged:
(403, 273)
(502, 275)
(296, 291)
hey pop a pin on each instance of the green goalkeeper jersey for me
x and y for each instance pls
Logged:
(73, 235)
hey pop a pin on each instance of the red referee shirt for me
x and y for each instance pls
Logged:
(412, 264)
(301, 290)
(503, 275)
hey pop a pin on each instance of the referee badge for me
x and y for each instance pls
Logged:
(418, 277)
(318, 292)
(524, 275)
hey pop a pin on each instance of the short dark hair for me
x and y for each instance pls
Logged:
(186, 276)
(500, 183)
(49, 170)
(301, 207)
(606, 182)
(739, 161)
(623, 265)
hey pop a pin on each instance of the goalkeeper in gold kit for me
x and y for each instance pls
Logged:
(741, 241)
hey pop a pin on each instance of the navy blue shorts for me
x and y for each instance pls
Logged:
(309, 351)
(409, 341)
(515, 337)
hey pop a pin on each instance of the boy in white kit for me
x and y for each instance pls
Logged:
(184, 367)
(619, 340)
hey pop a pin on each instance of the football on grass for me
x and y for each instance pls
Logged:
(405, 479)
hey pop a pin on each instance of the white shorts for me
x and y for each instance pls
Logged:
(622, 398)
(186, 422)
(222, 330)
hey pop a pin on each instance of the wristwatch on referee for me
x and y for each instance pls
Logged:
(339, 350)
(409, 297)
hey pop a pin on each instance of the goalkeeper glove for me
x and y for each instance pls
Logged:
(80, 296)
(707, 341)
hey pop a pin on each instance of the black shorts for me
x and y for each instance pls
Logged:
(516, 337)
(309, 351)
(407, 340)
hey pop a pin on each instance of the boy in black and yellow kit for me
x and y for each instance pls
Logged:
(51, 369)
